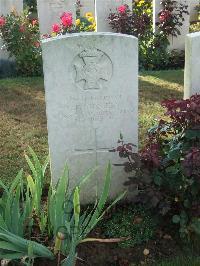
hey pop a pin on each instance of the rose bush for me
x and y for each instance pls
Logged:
(153, 48)
(21, 37)
(167, 172)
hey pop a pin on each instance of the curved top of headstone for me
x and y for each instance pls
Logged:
(194, 35)
(89, 34)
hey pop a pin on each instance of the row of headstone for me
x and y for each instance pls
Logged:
(91, 86)
(6, 6)
(192, 65)
(177, 42)
(49, 11)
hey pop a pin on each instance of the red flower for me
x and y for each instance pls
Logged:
(37, 44)
(164, 15)
(67, 19)
(21, 28)
(2, 21)
(122, 9)
(34, 22)
(56, 27)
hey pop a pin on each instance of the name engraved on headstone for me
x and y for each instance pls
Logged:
(95, 109)
(91, 69)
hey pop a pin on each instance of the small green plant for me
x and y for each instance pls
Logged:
(135, 223)
(60, 222)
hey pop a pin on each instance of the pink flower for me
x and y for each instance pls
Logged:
(2, 21)
(67, 19)
(56, 27)
(122, 9)
(37, 44)
(34, 22)
(21, 28)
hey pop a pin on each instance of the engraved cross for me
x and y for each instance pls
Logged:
(96, 149)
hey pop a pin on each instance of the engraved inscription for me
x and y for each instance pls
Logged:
(96, 108)
(92, 69)
(56, 4)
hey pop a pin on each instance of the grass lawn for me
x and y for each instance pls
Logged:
(23, 119)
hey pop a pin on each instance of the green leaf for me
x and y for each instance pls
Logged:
(192, 133)
(76, 202)
(157, 180)
(176, 219)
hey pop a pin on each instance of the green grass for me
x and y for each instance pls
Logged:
(134, 222)
(23, 119)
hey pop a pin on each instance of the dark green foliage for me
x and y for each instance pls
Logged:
(32, 5)
(134, 222)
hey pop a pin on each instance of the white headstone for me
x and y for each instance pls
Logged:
(87, 6)
(49, 12)
(156, 9)
(179, 41)
(193, 12)
(192, 65)
(91, 84)
(103, 9)
(6, 7)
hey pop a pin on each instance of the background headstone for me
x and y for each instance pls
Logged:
(102, 11)
(193, 12)
(91, 84)
(49, 12)
(6, 6)
(87, 6)
(192, 65)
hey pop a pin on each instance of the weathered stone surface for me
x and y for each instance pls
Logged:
(103, 9)
(91, 84)
(192, 65)
(49, 12)
(6, 6)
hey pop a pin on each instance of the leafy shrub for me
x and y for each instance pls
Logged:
(31, 4)
(153, 52)
(171, 17)
(134, 223)
(134, 22)
(168, 171)
(153, 47)
(21, 39)
(56, 220)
